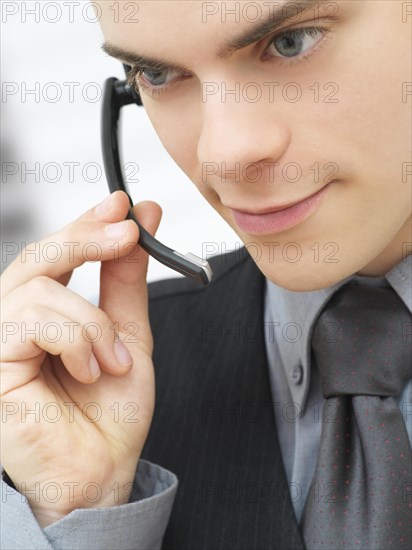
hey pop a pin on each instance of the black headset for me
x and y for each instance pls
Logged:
(117, 94)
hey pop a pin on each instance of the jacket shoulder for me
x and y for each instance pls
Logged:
(222, 265)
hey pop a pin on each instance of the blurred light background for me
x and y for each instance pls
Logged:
(52, 168)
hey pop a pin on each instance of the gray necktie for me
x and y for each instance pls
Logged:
(361, 492)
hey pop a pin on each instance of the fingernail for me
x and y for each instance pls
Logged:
(123, 354)
(104, 206)
(94, 366)
(117, 230)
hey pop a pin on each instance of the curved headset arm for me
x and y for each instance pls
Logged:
(116, 95)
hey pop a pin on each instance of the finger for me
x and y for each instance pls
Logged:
(114, 205)
(123, 287)
(22, 363)
(111, 209)
(96, 326)
(80, 241)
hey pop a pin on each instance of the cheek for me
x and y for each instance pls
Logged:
(178, 134)
(180, 137)
(373, 119)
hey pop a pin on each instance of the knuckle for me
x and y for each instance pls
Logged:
(102, 319)
(76, 334)
(39, 286)
(32, 313)
(76, 231)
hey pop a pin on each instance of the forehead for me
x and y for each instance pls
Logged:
(191, 29)
(152, 22)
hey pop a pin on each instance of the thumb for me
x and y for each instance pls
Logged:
(149, 214)
(123, 286)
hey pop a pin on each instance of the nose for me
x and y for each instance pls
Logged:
(237, 133)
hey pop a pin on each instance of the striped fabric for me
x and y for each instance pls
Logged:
(213, 424)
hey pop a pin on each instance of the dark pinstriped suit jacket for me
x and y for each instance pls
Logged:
(213, 424)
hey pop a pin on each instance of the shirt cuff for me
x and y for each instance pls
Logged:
(140, 524)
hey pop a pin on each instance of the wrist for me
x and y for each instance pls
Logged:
(50, 503)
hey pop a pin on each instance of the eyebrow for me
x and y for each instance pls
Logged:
(277, 17)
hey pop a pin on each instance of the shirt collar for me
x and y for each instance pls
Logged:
(293, 315)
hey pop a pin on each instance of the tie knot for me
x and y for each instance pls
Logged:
(361, 342)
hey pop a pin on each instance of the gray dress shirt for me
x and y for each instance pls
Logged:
(297, 400)
(295, 385)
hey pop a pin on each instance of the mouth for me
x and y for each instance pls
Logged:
(280, 217)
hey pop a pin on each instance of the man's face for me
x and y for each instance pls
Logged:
(319, 103)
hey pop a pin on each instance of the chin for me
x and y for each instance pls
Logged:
(305, 277)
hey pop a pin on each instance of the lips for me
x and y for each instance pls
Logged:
(278, 218)
(272, 209)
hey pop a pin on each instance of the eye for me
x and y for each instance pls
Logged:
(295, 42)
(155, 82)
(157, 78)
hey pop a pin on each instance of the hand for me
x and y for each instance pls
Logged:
(80, 446)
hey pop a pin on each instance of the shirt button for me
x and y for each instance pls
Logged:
(297, 374)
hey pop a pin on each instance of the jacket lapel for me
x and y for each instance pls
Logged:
(214, 424)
